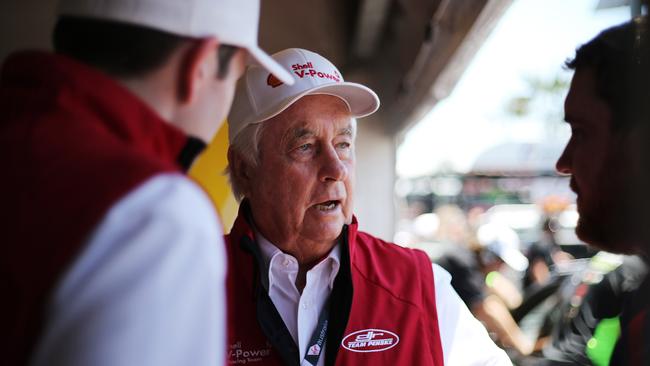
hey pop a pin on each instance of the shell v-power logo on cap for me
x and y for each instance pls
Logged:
(308, 70)
(273, 82)
(303, 71)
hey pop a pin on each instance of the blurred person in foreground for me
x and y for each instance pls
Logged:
(475, 271)
(306, 287)
(111, 256)
(607, 109)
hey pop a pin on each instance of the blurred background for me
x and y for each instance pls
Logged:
(491, 145)
(460, 158)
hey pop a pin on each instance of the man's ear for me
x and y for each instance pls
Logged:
(199, 64)
(240, 170)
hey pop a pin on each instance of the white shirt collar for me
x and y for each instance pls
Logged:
(271, 253)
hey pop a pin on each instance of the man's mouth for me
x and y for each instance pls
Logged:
(328, 205)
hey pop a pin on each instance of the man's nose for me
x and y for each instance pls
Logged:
(563, 164)
(333, 167)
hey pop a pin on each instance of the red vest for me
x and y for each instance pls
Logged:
(72, 143)
(382, 307)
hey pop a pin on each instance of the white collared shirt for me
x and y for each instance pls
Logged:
(300, 313)
(147, 289)
(460, 332)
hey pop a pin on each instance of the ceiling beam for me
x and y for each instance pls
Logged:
(370, 25)
(458, 29)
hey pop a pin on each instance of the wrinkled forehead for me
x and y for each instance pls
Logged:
(318, 115)
(306, 129)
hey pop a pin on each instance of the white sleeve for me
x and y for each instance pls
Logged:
(464, 339)
(148, 288)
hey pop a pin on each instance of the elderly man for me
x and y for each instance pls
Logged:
(111, 256)
(607, 109)
(306, 287)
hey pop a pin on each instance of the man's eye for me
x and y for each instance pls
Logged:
(343, 145)
(304, 147)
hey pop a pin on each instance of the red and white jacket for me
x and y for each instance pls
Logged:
(102, 232)
(381, 288)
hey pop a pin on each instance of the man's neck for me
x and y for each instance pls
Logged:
(301, 278)
(307, 253)
(150, 91)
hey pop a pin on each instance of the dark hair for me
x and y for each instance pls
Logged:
(618, 57)
(120, 49)
(224, 55)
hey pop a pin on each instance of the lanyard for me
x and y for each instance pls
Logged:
(318, 337)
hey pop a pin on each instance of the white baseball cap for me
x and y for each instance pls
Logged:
(260, 96)
(504, 242)
(232, 22)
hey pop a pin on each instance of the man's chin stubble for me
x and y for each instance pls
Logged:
(604, 236)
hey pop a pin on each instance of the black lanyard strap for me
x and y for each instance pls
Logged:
(317, 340)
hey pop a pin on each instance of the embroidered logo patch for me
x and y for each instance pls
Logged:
(273, 82)
(314, 350)
(370, 340)
(308, 70)
(242, 355)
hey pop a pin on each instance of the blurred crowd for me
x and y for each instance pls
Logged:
(541, 298)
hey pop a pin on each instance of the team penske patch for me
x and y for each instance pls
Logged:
(370, 340)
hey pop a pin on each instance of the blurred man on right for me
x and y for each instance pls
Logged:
(607, 109)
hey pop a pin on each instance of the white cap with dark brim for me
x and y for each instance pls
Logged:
(260, 96)
(232, 22)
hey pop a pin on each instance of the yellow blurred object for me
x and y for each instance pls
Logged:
(554, 204)
(208, 171)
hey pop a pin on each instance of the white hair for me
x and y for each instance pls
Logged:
(246, 143)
